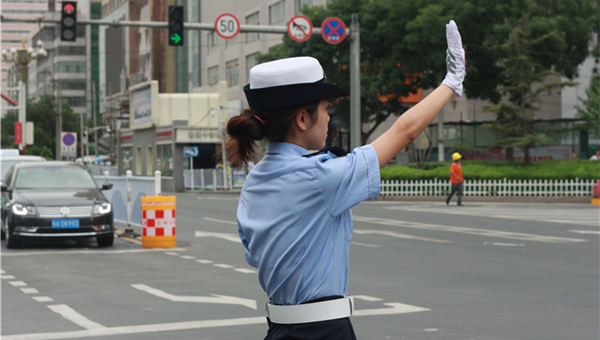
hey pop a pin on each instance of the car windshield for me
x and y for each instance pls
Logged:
(68, 177)
(6, 165)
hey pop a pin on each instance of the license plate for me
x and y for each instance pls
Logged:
(65, 224)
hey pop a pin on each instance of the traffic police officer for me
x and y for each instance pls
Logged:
(294, 215)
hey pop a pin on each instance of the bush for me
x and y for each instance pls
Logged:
(476, 170)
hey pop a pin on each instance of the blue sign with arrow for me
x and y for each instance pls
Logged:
(191, 151)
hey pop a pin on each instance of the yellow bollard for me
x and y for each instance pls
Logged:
(158, 222)
(596, 201)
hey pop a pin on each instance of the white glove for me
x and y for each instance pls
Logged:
(455, 59)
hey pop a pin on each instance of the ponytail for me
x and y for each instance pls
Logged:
(251, 126)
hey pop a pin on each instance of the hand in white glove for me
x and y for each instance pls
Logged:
(455, 59)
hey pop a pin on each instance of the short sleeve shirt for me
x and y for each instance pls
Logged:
(456, 170)
(295, 222)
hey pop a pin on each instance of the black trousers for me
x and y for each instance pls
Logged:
(339, 329)
(456, 187)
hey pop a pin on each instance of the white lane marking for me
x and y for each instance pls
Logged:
(393, 234)
(217, 198)
(71, 315)
(2, 272)
(229, 237)
(246, 271)
(366, 298)
(220, 221)
(504, 244)
(585, 232)
(396, 308)
(106, 252)
(18, 283)
(6, 277)
(42, 298)
(204, 261)
(221, 265)
(172, 253)
(366, 245)
(472, 231)
(29, 290)
(221, 299)
(188, 257)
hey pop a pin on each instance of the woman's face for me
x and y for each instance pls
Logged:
(317, 132)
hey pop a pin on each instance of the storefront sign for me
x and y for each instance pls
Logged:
(142, 106)
(198, 136)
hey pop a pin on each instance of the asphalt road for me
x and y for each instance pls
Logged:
(418, 270)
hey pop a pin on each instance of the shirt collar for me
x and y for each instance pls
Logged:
(286, 148)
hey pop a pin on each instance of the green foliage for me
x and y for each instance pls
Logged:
(486, 170)
(42, 112)
(591, 110)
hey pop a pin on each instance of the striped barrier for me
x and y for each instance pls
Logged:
(158, 222)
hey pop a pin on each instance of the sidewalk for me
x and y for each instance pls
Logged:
(466, 199)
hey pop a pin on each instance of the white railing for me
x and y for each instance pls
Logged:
(212, 179)
(435, 187)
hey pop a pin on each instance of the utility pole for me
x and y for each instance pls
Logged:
(94, 113)
(58, 120)
(440, 118)
(355, 119)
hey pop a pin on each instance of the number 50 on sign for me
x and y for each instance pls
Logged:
(227, 26)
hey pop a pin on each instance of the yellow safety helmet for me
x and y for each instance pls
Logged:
(456, 156)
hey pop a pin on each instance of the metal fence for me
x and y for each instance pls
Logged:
(212, 179)
(574, 187)
(118, 194)
(99, 170)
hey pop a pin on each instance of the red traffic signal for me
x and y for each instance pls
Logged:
(68, 21)
(68, 7)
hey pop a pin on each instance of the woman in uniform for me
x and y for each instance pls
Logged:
(294, 215)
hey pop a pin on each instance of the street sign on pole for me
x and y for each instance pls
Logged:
(191, 151)
(29, 133)
(68, 144)
(227, 26)
(333, 30)
(18, 133)
(300, 28)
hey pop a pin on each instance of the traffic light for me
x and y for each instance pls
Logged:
(68, 21)
(175, 25)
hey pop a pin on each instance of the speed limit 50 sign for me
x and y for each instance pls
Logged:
(227, 26)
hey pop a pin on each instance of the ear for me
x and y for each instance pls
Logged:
(302, 120)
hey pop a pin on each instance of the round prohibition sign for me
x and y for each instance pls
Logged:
(300, 28)
(227, 26)
(68, 139)
(333, 30)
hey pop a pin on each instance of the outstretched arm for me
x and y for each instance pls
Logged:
(408, 126)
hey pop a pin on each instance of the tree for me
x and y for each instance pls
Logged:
(403, 46)
(590, 112)
(42, 112)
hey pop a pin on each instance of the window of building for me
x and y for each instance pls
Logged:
(300, 3)
(212, 41)
(71, 50)
(277, 14)
(71, 67)
(48, 34)
(213, 75)
(74, 101)
(252, 19)
(164, 159)
(232, 42)
(250, 63)
(127, 158)
(233, 73)
(80, 31)
(73, 84)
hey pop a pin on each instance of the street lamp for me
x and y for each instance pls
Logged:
(24, 56)
(222, 130)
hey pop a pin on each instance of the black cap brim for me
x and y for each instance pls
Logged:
(280, 97)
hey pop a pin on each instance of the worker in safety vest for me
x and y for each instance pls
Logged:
(456, 178)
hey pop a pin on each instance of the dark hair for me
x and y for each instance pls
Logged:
(244, 130)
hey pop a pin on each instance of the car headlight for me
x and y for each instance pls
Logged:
(101, 208)
(20, 209)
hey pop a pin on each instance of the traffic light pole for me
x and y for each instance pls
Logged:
(354, 33)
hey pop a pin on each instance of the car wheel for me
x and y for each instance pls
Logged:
(11, 241)
(105, 241)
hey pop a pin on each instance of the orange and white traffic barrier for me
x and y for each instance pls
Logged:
(158, 222)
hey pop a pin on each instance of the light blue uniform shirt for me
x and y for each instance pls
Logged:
(295, 222)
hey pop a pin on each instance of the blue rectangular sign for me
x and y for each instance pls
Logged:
(65, 223)
(191, 151)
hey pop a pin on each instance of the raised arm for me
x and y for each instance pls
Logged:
(408, 126)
